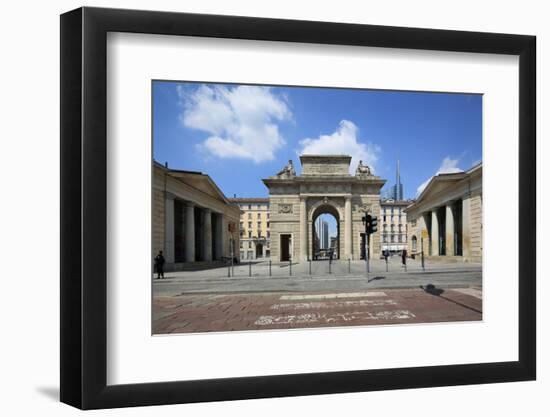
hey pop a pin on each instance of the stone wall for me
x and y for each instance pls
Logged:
(158, 216)
(284, 219)
(325, 166)
(476, 228)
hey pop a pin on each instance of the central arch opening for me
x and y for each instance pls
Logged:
(325, 233)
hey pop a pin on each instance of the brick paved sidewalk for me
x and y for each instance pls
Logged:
(256, 311)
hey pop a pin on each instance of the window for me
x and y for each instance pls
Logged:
(268, 225)
(392, 238)
(250, 225)
(249, 216)
(241, 245)
(268, 235)
(399, 238)
(249, 245)
(249, 234)
(259, 233)
(414, 243)
(259, 225)
(259, 216)
(267, 215)
(241, 225)
(250, 207)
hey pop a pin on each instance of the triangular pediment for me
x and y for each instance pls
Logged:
(199, 182)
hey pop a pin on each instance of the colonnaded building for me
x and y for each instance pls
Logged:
(325, 185)
(193, 221)
(447, 217)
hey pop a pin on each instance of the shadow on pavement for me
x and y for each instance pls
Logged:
(433, 290)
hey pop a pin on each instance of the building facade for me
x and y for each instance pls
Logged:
(325, 185)
(392, 225)
(446, 219)
(254, 230)
(192, 220)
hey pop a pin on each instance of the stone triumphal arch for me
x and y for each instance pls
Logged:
(324, 186)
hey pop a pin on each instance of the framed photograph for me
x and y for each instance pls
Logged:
(257, 208)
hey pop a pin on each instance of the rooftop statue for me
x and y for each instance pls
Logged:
(288, 171)
(363, 170)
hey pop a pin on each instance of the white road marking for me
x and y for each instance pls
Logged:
(474, 292)
(311, 318)
(332, 304)
(336, 295)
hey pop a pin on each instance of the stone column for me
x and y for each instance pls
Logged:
(218, 240)
(449, 230)
(223, 237)
(435, 234)
(303, 229)
(466, 228)
(169, 229)
(207, 248)
(426, 218)
(348, 226)
(189, 232)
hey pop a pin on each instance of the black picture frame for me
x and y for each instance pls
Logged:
(84, 207)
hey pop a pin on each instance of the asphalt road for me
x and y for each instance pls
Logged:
(453, 278)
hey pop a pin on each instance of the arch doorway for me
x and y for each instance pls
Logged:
(325, 233)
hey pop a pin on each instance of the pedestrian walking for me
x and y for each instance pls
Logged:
(404, 257)
(159, 265)
(386, 255)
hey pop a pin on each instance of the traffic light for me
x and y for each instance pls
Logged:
(373, 224)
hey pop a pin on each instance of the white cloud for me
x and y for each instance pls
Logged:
(343, 141)
(241, 121)
(448, 166)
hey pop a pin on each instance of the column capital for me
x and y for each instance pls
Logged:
(169, 196)
(190, 204)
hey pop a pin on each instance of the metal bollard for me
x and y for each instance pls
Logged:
(386, 264)
(329, 266)
(309, 260)
(250, 269)
(228, 271)
(270, 267)
(290, 266)
(349, 266)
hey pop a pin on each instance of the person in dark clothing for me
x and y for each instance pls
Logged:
(404, 257)
(386, 255)
(159, 265)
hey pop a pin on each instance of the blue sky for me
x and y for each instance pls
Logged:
(239, 134)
